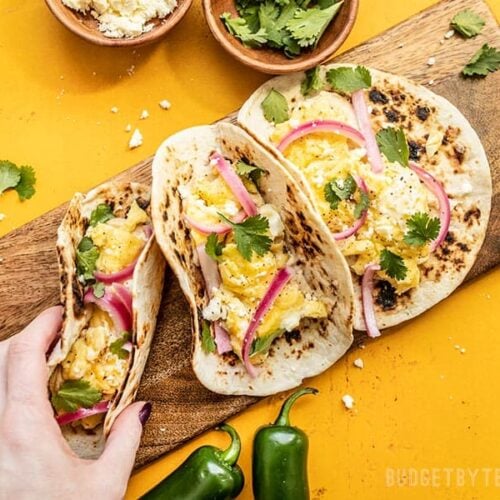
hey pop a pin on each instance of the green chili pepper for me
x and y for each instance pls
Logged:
(207, 474)
(280, 457)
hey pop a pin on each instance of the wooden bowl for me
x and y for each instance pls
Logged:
(85, 26)
(274, 61)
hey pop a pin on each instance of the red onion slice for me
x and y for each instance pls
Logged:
(67, 418)
(148, 231)
(367, 298)
(110, 303)
(315, 126)
(235, 183)
(209, 270)
(222, 339)
(221, 228)
(359, 222)
(279, 281)
(444, 203)
(124, 295)
(363, 117)
(122, 275)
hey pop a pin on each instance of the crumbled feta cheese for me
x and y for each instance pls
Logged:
(348, 401)
(165, 104)
(135, 140)
(359, 363)
(124, 18)
(2, 217)
(400, 46)
(449, 34)
(144, 114)
(431, 61)
(431, 82)
(214, 310)
(128, 128)
(114, 109)
(276, 227)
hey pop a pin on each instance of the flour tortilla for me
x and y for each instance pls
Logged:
(460, 165)
(319, 266)
(147, 285)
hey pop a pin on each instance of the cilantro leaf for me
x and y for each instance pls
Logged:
(362, 205)
(393, 265)
(250, 235)
(484, 61)
(238, 27)
(207, 340)
(116, 347)
(98, 289)
(244, 169)
(275, 107)
(308, 25)
(102, 213)
(262, 344)
(75, 394)
(346, 79)
(214, 247)
(26, 186)
(467, 23)
(86, 258)
(392, 142)
(10, 175)
(312, 81)
(331, 197)
(337, 190)
(421, 229)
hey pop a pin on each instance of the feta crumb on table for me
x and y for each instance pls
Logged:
(348, 401)
(135, 140)
(114, 109)
(358, 363)
(144, 114)
(165, 104)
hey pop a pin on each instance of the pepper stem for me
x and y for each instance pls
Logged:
(231, 455)
(284, 415)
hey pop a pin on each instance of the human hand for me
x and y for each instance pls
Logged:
(35, 459)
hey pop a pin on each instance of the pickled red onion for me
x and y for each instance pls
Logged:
(314, 126)
(279, 281)
(221, 228)
(362, 115)
(359, 222)
(234, 183)
(148, 231)
(67, 418)
(367, 299)
(222, 339)
(209, 270)
(123, 293)
(122, 275)
(444, 203)
(113, 305)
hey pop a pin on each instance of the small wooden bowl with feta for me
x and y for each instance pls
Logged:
(119, 23)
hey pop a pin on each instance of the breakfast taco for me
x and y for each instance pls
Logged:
(111, 272)
(396, 172)
(270, 293)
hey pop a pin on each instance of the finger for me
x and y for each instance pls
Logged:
(118, 457)
(26, 360)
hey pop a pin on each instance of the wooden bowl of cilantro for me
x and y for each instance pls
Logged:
(279, 37)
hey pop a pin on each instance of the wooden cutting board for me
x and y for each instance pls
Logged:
(182, 407)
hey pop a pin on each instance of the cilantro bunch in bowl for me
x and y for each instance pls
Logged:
(281, 36)
(288, 25)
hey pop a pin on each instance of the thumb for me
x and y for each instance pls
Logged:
(119, 454)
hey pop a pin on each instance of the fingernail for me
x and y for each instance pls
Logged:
(145, 413)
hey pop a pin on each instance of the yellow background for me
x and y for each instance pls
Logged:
(420, 403)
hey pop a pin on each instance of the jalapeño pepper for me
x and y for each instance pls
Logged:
(207, 474)
(280, 457)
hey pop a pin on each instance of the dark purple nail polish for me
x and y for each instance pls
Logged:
(145, 413)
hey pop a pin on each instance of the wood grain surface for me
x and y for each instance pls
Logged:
(182, 407)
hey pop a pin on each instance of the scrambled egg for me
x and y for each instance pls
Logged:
(244, 283)
(116, 240)
(395, 195)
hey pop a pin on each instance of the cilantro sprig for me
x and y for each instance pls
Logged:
(214, 247)
(102, 213)
(393, 265)
(207, 340)
(287, 25)
(421, 229)
(116, 347)
(22, 179)
(485, 60)
(467, 23)
(75, 394)
(86, 258)
(312, 81)
(244, 169)
(250, 235)
(347, 79)
(337, 190)
(275, 107)
(392, 143)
